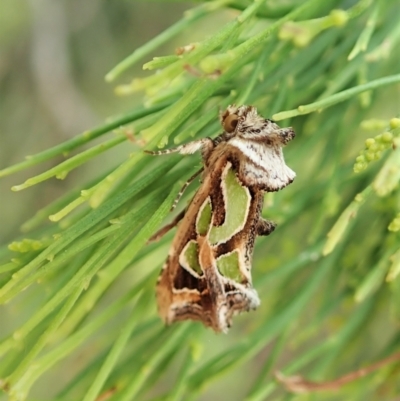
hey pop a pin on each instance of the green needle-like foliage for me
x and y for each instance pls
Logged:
(328, 277)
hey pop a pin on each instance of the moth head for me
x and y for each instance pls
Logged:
(234, 118)
(245, 122)
(229, 119)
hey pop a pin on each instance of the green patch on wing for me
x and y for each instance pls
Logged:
(191, 255)
(236, 209)
(204, 219)
(228, 265)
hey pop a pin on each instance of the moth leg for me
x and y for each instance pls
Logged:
(162, 231)
(265, 227)
(186, 149)
(183, 189)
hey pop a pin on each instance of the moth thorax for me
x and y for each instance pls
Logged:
(229, 121)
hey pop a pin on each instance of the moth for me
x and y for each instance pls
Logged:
(207, 275)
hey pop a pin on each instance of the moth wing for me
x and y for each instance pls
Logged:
(191, 285)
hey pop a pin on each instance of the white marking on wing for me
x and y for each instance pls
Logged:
(268, 163)
(243, 146)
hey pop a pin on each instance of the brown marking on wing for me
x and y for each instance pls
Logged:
(191, 299)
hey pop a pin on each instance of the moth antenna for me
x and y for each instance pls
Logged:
(162, 152)
(186, 149)
(183, 189)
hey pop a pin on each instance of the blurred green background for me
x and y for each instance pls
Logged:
(53, 59)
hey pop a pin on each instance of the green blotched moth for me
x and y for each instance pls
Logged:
(207, 275)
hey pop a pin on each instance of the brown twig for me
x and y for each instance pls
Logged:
(297, 384)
